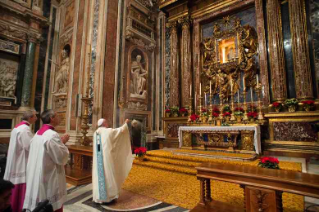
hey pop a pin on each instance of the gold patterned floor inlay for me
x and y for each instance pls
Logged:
(216, 154)
(172, 178)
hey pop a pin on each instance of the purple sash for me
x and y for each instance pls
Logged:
(44, 128)
(22, 123)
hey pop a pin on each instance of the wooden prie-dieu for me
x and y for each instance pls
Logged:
(263, 187)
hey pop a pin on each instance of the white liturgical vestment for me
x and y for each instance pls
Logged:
(18, 153)
(45, 169)
(112, 162)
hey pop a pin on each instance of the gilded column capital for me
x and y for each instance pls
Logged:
(185, 22)
(300, 49)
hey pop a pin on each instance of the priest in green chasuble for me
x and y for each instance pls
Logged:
(112, 161)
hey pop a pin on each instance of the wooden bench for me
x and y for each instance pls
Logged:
(263, 187)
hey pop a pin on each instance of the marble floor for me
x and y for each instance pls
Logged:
(79, 199)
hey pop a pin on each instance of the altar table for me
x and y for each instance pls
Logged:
(216, 129)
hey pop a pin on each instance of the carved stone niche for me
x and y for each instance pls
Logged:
(61, 78)
(137, 83)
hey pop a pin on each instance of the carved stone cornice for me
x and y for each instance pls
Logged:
(139, 42)
(12, 32)
(34, 37)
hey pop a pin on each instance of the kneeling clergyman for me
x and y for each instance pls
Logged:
(45, 169)
(112, 161)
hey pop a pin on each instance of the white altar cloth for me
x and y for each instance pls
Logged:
(256, 129)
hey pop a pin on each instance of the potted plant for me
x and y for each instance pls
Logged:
(140, 153)
(252, 115)
(239, 112)
(269, 162)
(183, 111)
(174, 111)
(204, 115)
(194, 117)
(168, 112)
(277, 106)
(307, 105)
(291, 104)
(226, 108)
(226, 116)
(216, 112)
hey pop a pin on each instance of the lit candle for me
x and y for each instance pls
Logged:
(200, 89)
(205, 100)
(251, 93)
(210, 87)
(257, 79)
(244, 84)
(231, 85)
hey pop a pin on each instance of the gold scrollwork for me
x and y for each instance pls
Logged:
(187, 139)
(227, 53)
(247, 140)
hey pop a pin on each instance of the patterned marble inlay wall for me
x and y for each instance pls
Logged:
(294, 131)
(167, 66)
(93, 50)
(161, 75)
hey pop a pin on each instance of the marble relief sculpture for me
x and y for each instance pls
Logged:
(8, 78)
(61, 80)
(138, 79)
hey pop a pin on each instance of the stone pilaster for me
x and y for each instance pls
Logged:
(300, 49)
(28, 74)
(186, 62)
(174, 99)
(276, 51)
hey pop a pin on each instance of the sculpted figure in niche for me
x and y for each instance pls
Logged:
(62, 76)
(138, 82)
(8, 78)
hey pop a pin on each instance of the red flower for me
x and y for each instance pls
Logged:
(252, 114)
(182, 110)
(204, 110)
(216, 110)
(276, 104)
(239, 109)
(215, 114)
(194, 117)
(269, 160)
(140, 151)
(309, 102)
(226, 114)
(167, 111)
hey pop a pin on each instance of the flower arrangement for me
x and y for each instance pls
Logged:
(226, 114)
(226, 108)
(308, 104)
(277, 106)
(168, 112)
(204, 112)
(174, 110)
(239, 111)
(269, 162)
(215, 114)
(252, 115)
(140, 152)
(194, 117)
(291, 104)
(183, 111)
(216, 110)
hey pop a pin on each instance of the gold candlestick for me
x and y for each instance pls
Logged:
(232, 116)
(200, 108)
(210, 119)
(258, 90)
(85, 141)
(245, 118)
(190, 111)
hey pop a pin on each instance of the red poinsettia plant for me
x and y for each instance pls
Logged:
(226, 114)
(167, 110)
(183, 110)
(215, 114)
(276, 104)
(140, 151)
(252, 115)
(269, 162)
(309, 102)
(194, 117)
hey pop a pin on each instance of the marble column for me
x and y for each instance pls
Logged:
(35, 73)
(174, 99)
(186, 62)
(276, 51)
(300, 49)
(28, 74)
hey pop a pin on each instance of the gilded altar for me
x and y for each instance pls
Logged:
(228, 138)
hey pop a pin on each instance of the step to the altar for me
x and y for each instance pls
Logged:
(170, 161)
